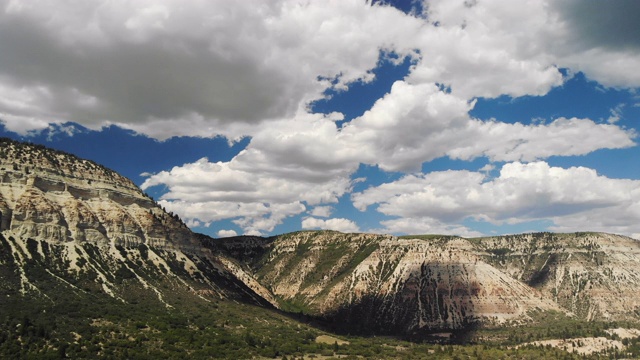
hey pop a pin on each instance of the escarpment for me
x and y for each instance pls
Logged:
(382, 284)
(592, 275)
(50, 195)
(72, 223)
(87, 230)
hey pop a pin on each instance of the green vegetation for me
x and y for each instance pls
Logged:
(108, 329)
(546, 325)
(82, 322)
(500, 251)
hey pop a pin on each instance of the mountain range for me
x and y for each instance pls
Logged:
(80, 243)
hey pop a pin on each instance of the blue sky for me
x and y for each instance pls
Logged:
(406, 117)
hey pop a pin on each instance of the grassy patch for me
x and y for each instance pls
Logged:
(326, 339)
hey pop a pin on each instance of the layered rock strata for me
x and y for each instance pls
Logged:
(54, 196)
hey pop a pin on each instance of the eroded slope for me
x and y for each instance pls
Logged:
(381, 284)
(76, 224)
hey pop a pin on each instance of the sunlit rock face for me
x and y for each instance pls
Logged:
(83, 223)
(50, 195)
(381, 284)
(73, 223)
(594, 276)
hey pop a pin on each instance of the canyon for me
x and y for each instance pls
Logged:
(87, 230)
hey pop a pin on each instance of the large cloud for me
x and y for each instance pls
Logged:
(488, 48)
(337, 224)
(308, 161)
(169, 68)
(256, 200)
(574, 199)
(288, 166)
(492, 47)
(424, 225)
(599, 24)
(600, 39)
(417, 123)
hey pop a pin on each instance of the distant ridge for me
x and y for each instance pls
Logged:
(381, 284)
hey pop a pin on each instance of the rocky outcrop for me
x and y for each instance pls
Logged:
(54, 196)
(84, 225)
(69, 221)
(381, 284)
(435, 284)
(35, 216)
(592, 275)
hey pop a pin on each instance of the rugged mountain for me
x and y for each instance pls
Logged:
(594, 276)
(364, 283)
(91, 267)
(76, 224)
(75, 234)
(57, 197)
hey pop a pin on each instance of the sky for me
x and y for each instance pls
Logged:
(469, 118)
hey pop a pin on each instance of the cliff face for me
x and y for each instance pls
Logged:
(383, 284)
(87, 230)
(592, 275)
(74, 223)
(53, 196)
(366, 283)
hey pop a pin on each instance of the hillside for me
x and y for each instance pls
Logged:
(84, 253)
(52, 195)
(594, 276)
(91, 267)
(78, 218)
(381, 284)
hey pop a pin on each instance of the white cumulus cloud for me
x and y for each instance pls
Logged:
(321, 211)
(337, 224)
(575, 199)
(424, 225)
(167, 68)
(251, 68)
(418, 123)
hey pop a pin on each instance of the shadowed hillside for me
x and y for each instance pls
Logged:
(417, 285)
